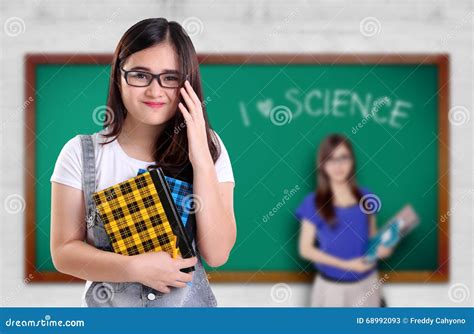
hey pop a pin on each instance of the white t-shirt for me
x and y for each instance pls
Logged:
(113, 166)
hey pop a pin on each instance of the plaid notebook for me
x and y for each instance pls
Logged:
(140, 215)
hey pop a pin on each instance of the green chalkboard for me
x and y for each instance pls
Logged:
(271, 113)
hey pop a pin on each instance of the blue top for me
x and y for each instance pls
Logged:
(348, 239)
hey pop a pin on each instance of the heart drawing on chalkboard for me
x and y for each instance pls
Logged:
(265, 107)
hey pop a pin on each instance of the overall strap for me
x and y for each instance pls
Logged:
(88, 176)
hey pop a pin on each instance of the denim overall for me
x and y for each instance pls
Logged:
(133, 294)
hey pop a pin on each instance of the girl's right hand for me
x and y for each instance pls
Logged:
(358, 265)
(159, 271)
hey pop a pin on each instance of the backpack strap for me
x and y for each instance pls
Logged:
(88, 176)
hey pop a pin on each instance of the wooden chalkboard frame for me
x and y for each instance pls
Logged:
(440, 60)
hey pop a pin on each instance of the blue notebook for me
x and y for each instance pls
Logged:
(182, 195)
(388, 237)
(391, 234)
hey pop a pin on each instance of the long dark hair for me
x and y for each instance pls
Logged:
(171, 148)
(324, 195)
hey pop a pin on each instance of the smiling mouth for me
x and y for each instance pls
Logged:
(154, 104)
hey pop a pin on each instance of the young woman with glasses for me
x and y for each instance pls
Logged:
(155, 116)
(337, 221)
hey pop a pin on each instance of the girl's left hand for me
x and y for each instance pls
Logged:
(199, 153)
(384, 252)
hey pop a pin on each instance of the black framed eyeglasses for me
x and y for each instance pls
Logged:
(144, 79)
(342, 159)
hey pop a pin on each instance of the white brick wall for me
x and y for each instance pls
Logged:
(244, 26)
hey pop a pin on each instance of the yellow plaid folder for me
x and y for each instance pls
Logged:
(139, 215)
